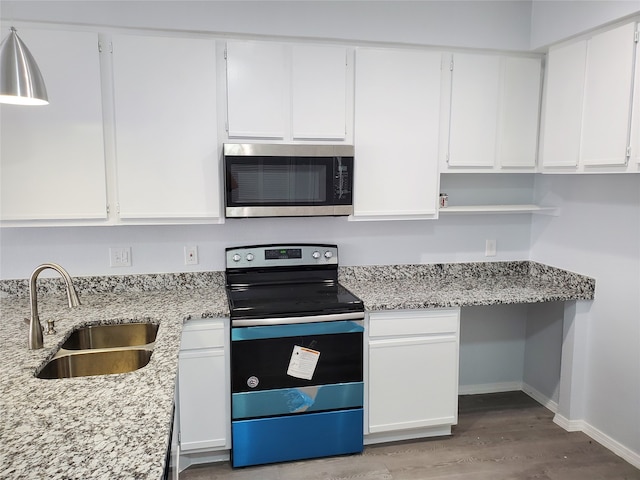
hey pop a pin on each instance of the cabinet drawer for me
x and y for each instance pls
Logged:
(203, 333)
(415, 322)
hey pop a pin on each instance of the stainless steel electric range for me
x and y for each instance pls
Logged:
(296, 355)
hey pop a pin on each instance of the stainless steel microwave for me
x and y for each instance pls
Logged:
(285, 180)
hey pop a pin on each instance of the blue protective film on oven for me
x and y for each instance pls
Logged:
(279, 439)
(294, 330)
(284, 401)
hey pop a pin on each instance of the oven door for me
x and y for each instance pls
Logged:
(262, 357)
(297, 391)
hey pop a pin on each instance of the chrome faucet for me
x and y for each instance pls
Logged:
(35, 328)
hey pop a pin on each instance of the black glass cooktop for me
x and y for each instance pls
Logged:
(290, 300)
(286, 280)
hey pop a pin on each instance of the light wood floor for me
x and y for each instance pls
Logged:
(499, 436)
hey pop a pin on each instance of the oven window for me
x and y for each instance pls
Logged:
(271, 182)
(262, 364)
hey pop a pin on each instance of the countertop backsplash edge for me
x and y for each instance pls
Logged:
(186, 281)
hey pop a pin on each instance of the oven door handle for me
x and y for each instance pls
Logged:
(331, 317)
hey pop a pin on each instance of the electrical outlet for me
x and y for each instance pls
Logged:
(490, 248)
(191, 255)
(120, 256)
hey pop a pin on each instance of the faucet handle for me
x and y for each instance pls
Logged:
(51, 327)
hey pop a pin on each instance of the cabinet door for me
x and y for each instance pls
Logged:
(519, 112)
(474, 110)
(608, 90)
(52, 157)
(203, 396)
(318, 92)
(166, 129)
(397, 108)
(203, 386)
(413, 382)
(256, 84)
(635, 116)
(563, 105)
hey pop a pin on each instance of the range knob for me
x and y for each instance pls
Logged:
(236, 258)
(316, 254)
(328, 254)
(249, 257)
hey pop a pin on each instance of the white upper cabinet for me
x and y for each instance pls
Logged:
(397, 112)
(256, 84)
(473, 122)
(564, 90)
(287, 92)
(519, 112)
(491, 119)
(318, 92)
(608, 90)
(167, 154)
(635, 116)
(589, 117)
(52, 157)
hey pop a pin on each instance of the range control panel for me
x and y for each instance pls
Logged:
(260, 256)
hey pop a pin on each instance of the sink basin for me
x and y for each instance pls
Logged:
(103, 350)
(111, 336)
(83, 364)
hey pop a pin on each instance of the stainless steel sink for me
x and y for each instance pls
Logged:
(100, 362)
(102, 350)
(110, 336)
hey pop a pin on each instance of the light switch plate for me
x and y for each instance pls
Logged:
(120, 256)
(191, 255)
(490, 248)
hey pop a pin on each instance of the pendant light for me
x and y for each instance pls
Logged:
(21, 82)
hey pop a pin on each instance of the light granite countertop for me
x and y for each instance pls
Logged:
(463, 284)
(108, 426)
(118, 426)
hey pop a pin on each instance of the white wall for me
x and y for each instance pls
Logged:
(492, 348)
(502, 25)
(481, 24)
(598, 234)
(543, 349)
(553, 21)
(84, 250)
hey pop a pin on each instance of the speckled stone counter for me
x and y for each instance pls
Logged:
(118, 426)
(463, 284)
(110, 426)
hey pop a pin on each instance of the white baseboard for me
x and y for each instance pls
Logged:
(602, 438)
(569, 425)
(540, 397)
(489, 388)
(197, 458)
(509, 387)
(410, 434)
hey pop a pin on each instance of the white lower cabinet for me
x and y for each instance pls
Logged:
(204, 391)
(412, 373)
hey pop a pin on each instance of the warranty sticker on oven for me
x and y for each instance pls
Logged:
(303, 362)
